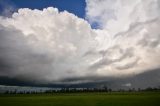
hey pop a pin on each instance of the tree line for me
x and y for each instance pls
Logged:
(79, 90)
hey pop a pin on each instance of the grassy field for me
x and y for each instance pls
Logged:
(82, 99)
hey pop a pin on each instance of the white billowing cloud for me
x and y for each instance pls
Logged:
(46, 44)
(131, 44)
(134, 51)
(52, 46)
(117, 15)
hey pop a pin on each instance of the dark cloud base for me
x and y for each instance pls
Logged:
(144, 80)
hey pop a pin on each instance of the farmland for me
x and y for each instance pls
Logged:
(82, 99)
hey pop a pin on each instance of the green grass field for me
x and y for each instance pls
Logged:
(82, 99)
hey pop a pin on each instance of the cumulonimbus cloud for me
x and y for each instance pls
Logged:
(50, 46)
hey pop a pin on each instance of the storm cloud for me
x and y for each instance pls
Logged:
(48, 46)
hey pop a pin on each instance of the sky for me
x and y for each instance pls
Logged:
(72, 6)
(81, 43)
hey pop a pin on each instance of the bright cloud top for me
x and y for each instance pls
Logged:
(51, 46)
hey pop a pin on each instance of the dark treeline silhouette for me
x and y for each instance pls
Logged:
(76, 90)
(80, 90)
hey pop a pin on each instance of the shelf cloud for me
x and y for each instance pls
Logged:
(48, 46)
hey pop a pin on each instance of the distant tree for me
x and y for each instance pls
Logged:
(6, 92)
(110, 90)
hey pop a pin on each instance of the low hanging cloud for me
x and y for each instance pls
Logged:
(51, 46)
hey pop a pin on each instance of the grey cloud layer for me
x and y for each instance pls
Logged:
(58, 47)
